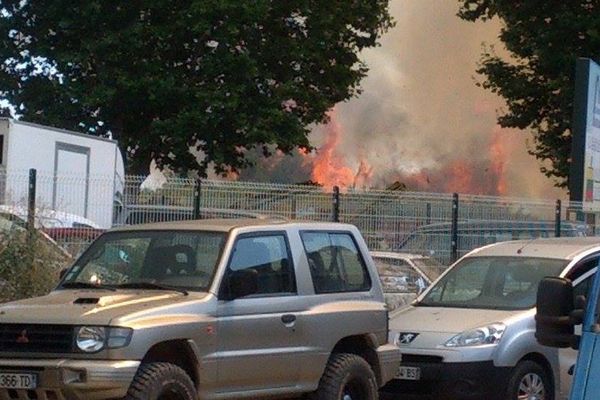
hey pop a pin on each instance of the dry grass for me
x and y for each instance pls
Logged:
(29, 266)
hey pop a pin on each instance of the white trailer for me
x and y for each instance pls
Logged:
(76, 173)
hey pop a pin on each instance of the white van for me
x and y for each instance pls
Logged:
(470, 335)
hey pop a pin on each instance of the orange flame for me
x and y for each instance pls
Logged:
(329, 168)
(471, 175)
(483, 177)
(459, 177)
(498, 158)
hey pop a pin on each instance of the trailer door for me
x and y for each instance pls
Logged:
(71, 179)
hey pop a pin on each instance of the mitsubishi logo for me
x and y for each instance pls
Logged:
(22, 338)
(406, 337)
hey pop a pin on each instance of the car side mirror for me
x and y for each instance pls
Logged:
(241, 283)
(553, 320)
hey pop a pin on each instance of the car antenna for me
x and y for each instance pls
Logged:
(520, 249)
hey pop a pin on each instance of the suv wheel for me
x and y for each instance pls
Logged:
(161, 381)
(530, 381)
(347, 377)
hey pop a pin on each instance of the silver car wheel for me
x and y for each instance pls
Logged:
(531, 387)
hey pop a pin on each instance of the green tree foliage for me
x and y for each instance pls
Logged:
(544, 38)
(223, 76)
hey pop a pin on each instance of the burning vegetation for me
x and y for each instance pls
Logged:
(483, 173)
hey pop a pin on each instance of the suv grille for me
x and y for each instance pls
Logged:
(28, 338)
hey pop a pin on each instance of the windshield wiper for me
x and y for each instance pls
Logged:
(150, 285)
(86, 285)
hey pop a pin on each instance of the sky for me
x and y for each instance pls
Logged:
(421, 119)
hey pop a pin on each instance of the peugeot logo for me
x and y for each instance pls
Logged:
(22, 338)
(407, 337)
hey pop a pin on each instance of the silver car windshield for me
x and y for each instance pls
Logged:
(505, 283)
(149, 259)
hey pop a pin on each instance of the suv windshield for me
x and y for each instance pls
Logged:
(175, 259)
(505, 283)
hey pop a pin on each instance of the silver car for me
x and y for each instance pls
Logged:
(404, 275)
(471, 334)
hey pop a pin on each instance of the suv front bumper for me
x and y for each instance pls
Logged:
(71, 379)
(389, 357)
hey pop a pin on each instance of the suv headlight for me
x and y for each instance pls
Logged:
(489, 334)
(91, 339)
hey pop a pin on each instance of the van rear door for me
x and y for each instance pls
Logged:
(71, 171)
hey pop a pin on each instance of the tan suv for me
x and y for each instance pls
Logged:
(212, 309)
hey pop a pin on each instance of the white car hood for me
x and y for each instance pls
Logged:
(444, 320)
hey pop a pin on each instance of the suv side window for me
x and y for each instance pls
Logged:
(335, 263)
(269, 256)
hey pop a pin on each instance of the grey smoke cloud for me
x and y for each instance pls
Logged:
(420, 109)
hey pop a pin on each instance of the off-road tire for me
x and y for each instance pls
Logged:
(534, 371)
(347, 377)
(161, 381)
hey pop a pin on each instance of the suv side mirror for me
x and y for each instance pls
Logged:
(578, 313)
(554, 325)
(241, 283)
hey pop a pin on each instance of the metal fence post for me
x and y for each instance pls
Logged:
(454, 232)
(557, 214)
(294, 206)
(428, 214)
(197, 189)
(336, 204)
(31, 201)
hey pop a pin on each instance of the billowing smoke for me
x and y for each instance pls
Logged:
(278, 168)
(421, 119)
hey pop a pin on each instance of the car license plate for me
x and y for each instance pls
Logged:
(10, 380)
(409, 373)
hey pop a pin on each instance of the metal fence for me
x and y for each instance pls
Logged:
(73, 211)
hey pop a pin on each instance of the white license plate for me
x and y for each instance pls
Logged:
(409, 373)
(10, 380)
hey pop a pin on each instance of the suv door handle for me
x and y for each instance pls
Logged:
(288, 318)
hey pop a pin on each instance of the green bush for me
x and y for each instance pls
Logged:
(29, 265)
